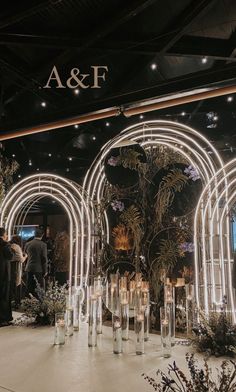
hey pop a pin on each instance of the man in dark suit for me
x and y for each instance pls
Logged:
(6, 255)
(37, 260)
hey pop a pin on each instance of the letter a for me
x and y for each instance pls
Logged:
(55, 77)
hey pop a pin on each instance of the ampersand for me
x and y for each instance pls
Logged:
(75, 72)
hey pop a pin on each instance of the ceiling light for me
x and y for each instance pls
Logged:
(30, 163)
(43, 104)
(67, 169)
(183, 114)
(141, 116)
(153, 66)
(230, 98)
(70, 158)
(204, 60)
(107, 124)
(215, 118)
(76, 126)
(76, 91)
(13, 155)
(19, 176)
(49, 154)
(94, 138)
(37, 169)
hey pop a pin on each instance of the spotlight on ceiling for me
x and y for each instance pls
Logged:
(153, 66)
(215, 118)
(183, 114)
(13, 156)
(49, 154)
(30, 162)
(94, 138)
(67, 169)
(107, 124)
(43, 104)
(204, 60)
(76, 126)
(70, 158)
(76, 91)
(230, 98)
(141, 116)
(37, 169)
(19, 176)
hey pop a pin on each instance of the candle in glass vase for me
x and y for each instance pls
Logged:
(124, 298)
(165, 331)
(114, 292)
(123, 283)
(117, 334)
(139, 332)
(59, 334)
(132, 286)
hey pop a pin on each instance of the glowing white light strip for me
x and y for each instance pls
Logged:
(205, 191)
(40, 177)
(91, 180)
(49, 187)
(20, 203)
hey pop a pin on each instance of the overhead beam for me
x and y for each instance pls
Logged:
(189, 46)
(184, 21)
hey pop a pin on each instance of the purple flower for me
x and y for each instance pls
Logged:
(117, 205)
(192, 173)
(114, 161)
(187, 247)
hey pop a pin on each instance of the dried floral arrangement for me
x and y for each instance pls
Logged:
(215, 335)
(48, 303)
(199, 378)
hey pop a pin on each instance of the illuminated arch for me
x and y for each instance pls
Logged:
(75, 202)
(217, 252)
(201, 154)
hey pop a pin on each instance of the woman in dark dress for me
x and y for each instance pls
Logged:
(6, 254)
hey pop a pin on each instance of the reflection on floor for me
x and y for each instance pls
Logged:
(30, 363)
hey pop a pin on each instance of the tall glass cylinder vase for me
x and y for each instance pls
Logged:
(92, 320)
(98, 293)
(114, 293)
(165, 331)
(139, 332)
(69, 321)
(146, 308)
(169, 296)
(117, 333)
(60, 329)
(189, 290)
(124, 299)
(76, 309)
(132, 285)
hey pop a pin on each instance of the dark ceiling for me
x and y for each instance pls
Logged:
(151, 48)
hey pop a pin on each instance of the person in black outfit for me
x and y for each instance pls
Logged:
(37, 261)
(6, 255)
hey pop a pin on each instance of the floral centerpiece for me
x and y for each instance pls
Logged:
(46, 305)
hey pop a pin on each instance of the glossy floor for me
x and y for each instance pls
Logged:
(30, 363)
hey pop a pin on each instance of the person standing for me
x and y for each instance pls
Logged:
(16, 269)
(37, 261)
(6, 254)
